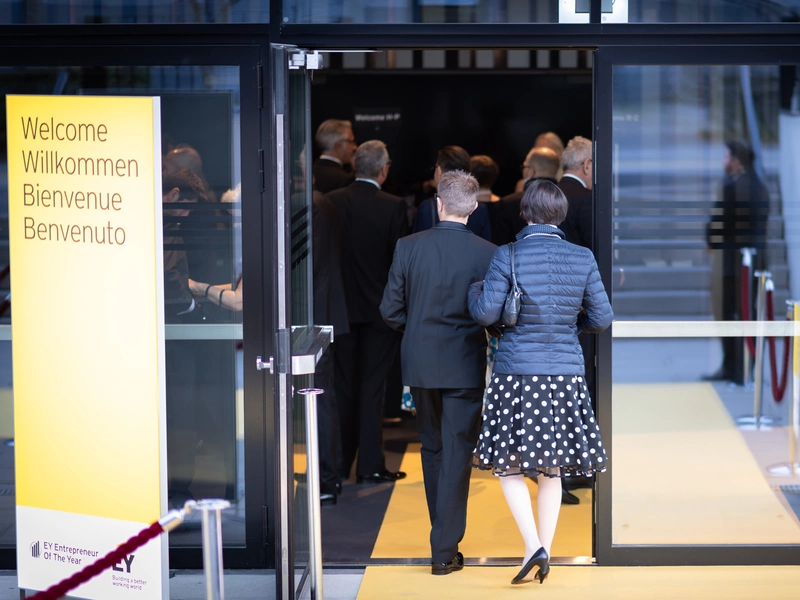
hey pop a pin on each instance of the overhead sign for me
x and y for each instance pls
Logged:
(84, 179)
(577, 11)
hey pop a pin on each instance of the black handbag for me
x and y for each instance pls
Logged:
(513, 299)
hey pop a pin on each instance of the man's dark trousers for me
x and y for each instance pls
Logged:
(449, 423)
(363, 359)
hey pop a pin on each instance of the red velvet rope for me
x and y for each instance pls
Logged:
(751, 344)
(778, 390)
(60, 589)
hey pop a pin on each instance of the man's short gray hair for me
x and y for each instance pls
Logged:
(370, 158)
(578, 150)
(458, 191)
(331, 131)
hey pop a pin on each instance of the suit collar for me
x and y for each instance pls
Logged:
(451, 225)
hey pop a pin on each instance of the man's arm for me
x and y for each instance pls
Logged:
(393, 305)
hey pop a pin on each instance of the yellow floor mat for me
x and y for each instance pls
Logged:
(683, 473)
(586, 583)
(491, 530)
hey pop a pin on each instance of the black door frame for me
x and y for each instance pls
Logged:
(247, 49)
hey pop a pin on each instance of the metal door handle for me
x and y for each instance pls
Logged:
(261, 365)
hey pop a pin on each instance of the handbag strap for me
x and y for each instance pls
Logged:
(511, 260)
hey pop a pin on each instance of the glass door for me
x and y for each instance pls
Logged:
(696, 175)
(209, 133)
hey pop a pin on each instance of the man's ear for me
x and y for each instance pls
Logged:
(474, 207)
(173, 195)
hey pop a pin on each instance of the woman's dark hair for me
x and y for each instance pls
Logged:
(453, 158)
(484, 169)
(544, 203)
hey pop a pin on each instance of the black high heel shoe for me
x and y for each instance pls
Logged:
(539, 559)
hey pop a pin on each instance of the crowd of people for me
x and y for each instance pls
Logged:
(440, 275)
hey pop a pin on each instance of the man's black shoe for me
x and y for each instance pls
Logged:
(568, 498)
(385, 475)
(446, 568)
(326, 499)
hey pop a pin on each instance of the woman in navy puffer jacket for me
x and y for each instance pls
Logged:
(538, 418)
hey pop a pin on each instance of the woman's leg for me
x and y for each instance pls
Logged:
(519, 501)
(548, 507)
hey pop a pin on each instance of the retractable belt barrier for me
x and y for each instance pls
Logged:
(212, 550)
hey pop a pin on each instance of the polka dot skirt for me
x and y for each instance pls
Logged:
(536, 424)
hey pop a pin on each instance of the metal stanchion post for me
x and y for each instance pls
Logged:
(758, 421)
(792, 468)
(212, 545)
(747, 261)
(312, 475)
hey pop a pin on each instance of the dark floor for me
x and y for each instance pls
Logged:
(350, 528)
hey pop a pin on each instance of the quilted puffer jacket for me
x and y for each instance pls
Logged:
(562, 294)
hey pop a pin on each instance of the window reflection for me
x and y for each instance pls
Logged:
(704, 167)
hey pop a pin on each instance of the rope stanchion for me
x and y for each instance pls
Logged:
(778, 388)
(747, 265)
(792, 467)
(212, 550)
(60, 589)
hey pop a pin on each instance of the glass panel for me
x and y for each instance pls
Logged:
(711, 11)
(704, 165)
(421, 11)
(297, 148)
(202, 247)
(50, 12)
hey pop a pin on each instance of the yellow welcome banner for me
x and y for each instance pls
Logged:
(85, 233)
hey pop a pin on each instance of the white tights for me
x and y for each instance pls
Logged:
(548, 506)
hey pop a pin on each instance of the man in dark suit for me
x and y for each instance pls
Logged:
(540, 163)
(577, 187)
(739, 220)
(333, 169)
(329, 309)
(443, 354)
(372, 222)
(451, 158)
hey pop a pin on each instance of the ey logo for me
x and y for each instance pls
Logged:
(128, 560)
(35, 549)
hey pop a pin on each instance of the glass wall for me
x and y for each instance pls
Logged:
(78, 12)
(202, 268)
(420, 11)
(704, 167)
(711, 11)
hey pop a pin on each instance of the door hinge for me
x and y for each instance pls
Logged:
(265, 529)
(305, 59)
(283, 345)
(260, 80)
(261, 170)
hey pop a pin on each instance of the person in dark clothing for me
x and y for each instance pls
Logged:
(739, 220)
(540, 163)
(372, 221)
(334, 168)
(443, 354)
(538, 418)
(577, 187)
(330, 308)
(451, 158)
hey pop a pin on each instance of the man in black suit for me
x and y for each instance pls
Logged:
(451, 158)
(540, 163)
(739, 220)
(443, 354)
(372, 222)
(333, 169)
(576, 184)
